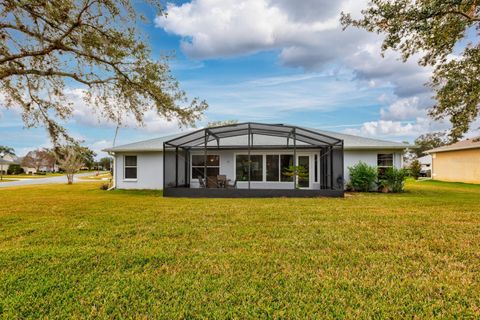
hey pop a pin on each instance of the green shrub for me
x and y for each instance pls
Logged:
(104, 186)
(14, 169)
(362, 177)
(415, 168)
(395, 179)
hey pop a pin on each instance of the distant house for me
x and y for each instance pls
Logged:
(7, 160)
(251, 158)
(457, 162)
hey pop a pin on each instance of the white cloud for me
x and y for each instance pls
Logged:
(384, 129)
(403, 109)
(307, 33)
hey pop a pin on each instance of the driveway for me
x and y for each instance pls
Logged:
(50, 180)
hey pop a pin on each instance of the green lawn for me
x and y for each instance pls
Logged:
(80, 252)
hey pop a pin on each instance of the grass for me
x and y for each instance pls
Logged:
(7, 180)
(79, 252)
(103, 176)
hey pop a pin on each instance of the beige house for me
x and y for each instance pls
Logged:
(458, 162)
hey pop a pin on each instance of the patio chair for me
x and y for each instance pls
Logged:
(231, 186)
(212, 182)
(202, 182)
(222, 181)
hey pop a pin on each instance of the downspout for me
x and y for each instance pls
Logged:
(114, 180)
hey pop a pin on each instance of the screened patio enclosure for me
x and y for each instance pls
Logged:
(253, 160)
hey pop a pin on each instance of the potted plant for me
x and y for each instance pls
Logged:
(382, 186)
(301, 172)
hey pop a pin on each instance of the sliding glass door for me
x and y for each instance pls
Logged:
(303, 177)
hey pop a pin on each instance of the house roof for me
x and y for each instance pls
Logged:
(460, 145)
(10, 159)
(351, 142)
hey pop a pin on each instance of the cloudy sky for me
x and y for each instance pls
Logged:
(277, 61)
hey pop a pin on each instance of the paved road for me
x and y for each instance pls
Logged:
(50, 180)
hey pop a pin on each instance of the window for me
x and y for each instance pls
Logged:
(315, 163)
(130, 167)
(384, 161)
(273, 167)
(286, 160)
(256, 165)
(198, 165)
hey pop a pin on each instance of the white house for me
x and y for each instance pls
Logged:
(249, 159)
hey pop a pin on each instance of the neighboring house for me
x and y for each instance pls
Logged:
(29, 170)
(457, 162)
(224, 152)
(426, 164)
(8, 159)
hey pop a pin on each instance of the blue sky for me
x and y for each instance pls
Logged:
(277, 61)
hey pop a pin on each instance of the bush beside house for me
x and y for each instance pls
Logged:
(365, 178)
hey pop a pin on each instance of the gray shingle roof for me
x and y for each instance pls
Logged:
(351, 142)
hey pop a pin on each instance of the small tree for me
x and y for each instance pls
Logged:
(71, 161)
(362, 176)
(395, 179)
(14, 169)
(415, 168)
(299, 171)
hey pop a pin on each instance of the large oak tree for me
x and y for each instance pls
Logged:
(446, 33)
(47, 46)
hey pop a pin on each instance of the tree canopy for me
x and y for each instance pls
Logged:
(47, 47)
(445, 33)
(430, 141)
(39, 158)
(7, 150)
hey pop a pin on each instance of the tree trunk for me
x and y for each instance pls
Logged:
(70, 178)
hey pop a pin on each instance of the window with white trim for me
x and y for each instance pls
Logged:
(198, 165)
(384, 161)
(276, 165)
(130, 167)
(242, 165)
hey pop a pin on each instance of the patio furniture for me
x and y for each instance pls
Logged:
(231, 186)
(222, 181)
(212, 182)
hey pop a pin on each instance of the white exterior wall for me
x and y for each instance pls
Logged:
(352, 157)
(150, 168)
(149, 171)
